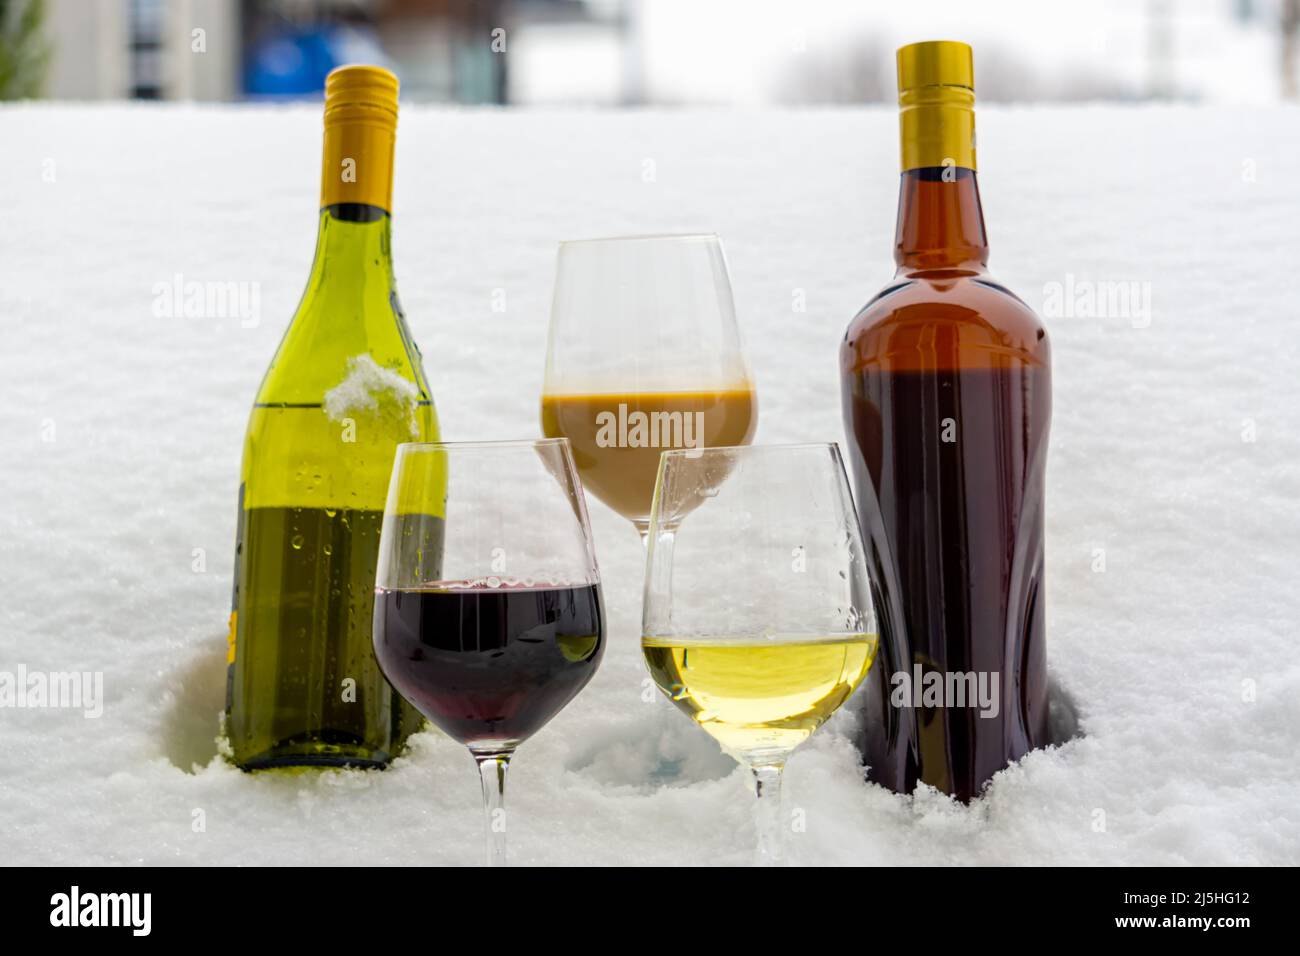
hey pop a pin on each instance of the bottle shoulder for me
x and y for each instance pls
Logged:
(945, 319)
(326, 339)
(349, 313)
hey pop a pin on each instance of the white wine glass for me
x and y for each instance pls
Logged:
(644, 355)
(758, 621)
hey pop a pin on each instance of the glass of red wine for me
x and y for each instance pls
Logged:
(488, 613)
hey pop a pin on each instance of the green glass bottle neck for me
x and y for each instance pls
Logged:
(349, 309)
(353, 247)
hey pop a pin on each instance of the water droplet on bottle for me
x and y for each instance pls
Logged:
(296, 541)
(328, 549)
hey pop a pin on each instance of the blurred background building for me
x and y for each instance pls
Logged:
(656, 52)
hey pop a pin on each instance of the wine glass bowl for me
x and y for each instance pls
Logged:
(491, 620)
(644, 355)
(758, 621)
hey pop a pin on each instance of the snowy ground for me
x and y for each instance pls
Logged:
(1174, 459)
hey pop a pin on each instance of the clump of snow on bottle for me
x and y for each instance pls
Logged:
(368, 385)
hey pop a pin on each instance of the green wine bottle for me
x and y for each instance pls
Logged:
(344, 389)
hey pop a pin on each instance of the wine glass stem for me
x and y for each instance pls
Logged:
(767, 815)
(492, 771)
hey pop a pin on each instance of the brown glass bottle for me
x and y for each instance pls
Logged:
(947, 400)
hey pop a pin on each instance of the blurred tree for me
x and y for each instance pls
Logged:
(856, 69)
(1160, 50)
(24, 52)
(1290, 44)
(862, 69)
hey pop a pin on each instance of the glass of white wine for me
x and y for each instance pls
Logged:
(758, 621)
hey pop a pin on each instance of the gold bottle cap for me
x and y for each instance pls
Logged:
(936, 98)
(935, 63)
(360, 132)
(360, 93)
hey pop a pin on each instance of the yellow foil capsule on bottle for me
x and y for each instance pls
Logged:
(936, 99)
(360, 133)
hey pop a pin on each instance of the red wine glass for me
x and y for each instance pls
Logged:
(488, 613)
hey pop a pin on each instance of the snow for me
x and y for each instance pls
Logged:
(1174, 466)
(365, 383)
